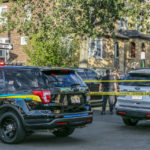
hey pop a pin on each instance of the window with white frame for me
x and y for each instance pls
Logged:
(28, 13)
(66, 42)
(123, 23)
(116, 48)
(95, 48)
(24, 40)
(146, 0)
(3, 10)
(4, 53)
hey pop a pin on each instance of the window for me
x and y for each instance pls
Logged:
(3, 10)
(116, 47)
(27, 9)
(123, 23)
(24, 40)
(137, 76)
(92, 75)
(143, 46)
(132, 50)
(63, 78)
(4, 53)
(146, 0)
(1, 81)
(95, 48)
(24, 79)
(67, 44)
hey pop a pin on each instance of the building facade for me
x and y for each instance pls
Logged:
(130, 49)
(18, 41)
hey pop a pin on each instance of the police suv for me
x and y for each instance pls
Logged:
(31, 100)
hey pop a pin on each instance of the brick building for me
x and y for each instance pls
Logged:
(18, 41)
(123, 52)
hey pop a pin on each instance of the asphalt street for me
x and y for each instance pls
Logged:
(106, 133)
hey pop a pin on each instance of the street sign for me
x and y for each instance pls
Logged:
(142, 55)
(4, 46)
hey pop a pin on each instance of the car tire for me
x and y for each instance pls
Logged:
(129, 121)
(64, 132)
(11, 128)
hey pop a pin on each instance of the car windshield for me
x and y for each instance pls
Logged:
(91, 75)
(63, 78)
(82, 74)
(136, 76)
(24, 79)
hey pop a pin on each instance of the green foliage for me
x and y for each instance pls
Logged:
(88, 18)
(50, 20)
(45, 45)
(137, 12)
(44, 51)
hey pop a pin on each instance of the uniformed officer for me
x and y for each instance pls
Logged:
(108, 87)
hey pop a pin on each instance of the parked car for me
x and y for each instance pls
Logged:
(90, 74)
(134, 108)
(29, 101)
(101, 71)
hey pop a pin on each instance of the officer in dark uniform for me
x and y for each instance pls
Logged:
(108, 87)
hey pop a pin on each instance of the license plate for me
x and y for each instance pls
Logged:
(136, 97)
(75, 99)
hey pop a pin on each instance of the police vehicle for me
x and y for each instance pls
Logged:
(31, 101)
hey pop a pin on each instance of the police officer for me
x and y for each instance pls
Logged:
(108, 87)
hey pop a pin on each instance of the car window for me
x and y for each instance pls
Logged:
(24, 80)
(61, 78)
(92, 75)
(82, 74)
(137, 77)
(1, 80)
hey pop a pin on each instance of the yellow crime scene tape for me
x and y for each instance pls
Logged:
(116, 80)
(120, 93)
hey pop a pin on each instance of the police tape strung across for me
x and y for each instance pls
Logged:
(119, 93)
(116, 80)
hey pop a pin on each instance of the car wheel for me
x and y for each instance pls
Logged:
(130, 121)
(64, 132)
(11, 129)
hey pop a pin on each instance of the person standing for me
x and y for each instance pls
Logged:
(116, 77)
(116, 74)
(108, 87)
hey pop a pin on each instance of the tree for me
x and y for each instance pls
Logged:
(52, 50)
(138, 13)
(45, 22)
(46, 44)
(88, 18)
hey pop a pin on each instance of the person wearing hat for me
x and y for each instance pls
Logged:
(108, 87)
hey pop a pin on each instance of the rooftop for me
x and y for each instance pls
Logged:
(127, 34)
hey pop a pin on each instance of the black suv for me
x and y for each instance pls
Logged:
(29, 100)
(90, 74)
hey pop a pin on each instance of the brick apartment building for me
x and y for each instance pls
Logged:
(18, 41)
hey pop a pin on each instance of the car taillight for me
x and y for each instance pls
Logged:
(44, 95)
(2, 63)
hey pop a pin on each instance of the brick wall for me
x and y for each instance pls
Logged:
(17, 54)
